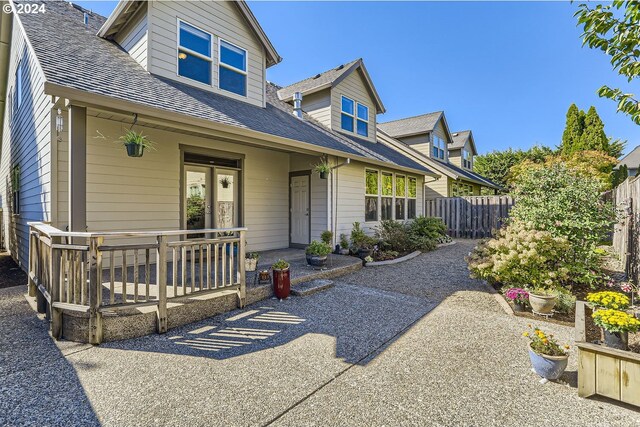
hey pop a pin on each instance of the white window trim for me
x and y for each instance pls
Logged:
(355, 129)
(194, 53)
(353, 116)
(232, 68)
(394, 196)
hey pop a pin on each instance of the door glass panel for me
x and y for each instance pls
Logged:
(196, 195)
(226, 198)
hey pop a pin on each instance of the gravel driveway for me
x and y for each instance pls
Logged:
(417, 343)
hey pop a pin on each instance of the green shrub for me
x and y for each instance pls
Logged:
(425, 233)
(566, 204)
(326, 237)
(393, 236)
(359, 239)
(280, 265)
(317, 248)
(521, 256)
(565, 302)
(344, 241)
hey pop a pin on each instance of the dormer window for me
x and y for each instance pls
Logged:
(348, 106)
(362, 125)
(194, 53)
(438, 147)
(348, 117)
(233, 68)
(466, 159)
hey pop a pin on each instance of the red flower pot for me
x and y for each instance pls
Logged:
(281, 283)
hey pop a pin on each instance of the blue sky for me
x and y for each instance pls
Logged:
(506, 70)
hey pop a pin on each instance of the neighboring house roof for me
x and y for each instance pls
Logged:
(446, 169)
(332, 78)
(460, 139)
(76, 61)
(125, 9)
(632, 160)
(412, 125)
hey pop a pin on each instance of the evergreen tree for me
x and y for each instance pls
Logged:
(593, 136)
(573, 130)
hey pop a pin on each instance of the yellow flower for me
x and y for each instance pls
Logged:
(525, 334)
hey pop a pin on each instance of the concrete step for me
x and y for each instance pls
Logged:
(311, 287)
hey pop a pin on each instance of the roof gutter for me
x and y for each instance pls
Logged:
(179, 120)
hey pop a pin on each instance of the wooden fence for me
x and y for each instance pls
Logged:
(626, 241)
(471, 217)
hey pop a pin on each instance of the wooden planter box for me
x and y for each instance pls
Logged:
(602, 370)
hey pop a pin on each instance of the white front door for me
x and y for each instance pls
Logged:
(300, 214)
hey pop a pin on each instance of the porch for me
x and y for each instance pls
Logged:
(97, 287)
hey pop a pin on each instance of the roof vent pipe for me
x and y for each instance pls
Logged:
(297, 104)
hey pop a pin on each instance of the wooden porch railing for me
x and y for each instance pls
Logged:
(98, 272)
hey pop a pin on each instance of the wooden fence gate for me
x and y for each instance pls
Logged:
(625, 242)
(471, 217)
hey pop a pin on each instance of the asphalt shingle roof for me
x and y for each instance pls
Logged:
(459, 139)
(411, 125)
(72, 56)
(316, 81)
(632, 160)
(472, 176)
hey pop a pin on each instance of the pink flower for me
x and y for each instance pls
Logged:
(625, 287)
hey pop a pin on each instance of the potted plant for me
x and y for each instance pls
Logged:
(281, 279)
(361, 243)
(323, 169)
(344, 244)
(548, 359)
(616, 325)
(326, 237)
(251, 261)
(519, 297)
(317, 253)
(225, 181)
(135, 143)
(542, 300)
(608, 299)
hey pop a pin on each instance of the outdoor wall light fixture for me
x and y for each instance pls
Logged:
(59, 121)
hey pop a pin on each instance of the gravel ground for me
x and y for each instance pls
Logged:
(417, 343)
(10, 273)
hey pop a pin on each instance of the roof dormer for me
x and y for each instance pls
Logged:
(462, 149)
(215, 46)
(343, 99)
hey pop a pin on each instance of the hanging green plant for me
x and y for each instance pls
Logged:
(136, 142)
(323, 169)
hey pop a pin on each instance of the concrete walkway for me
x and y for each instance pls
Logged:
(417, 343)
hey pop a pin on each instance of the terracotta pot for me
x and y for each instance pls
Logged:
(549, 367)
(542, 304)
(281, 283)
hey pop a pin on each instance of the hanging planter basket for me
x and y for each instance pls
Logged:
(323, 175)
(134, 150)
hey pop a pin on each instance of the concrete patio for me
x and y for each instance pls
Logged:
(417, 343)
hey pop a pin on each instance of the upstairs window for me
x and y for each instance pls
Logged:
(348, 107)
(438, 147)
(362, 124)
(466, 159)
(194, 53)
(233, 68)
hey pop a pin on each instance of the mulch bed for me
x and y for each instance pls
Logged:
(10, 273)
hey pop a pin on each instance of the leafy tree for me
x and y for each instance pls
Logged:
(595, 165)
(614, 29)
(573, 130)
(593, 136)
(496, 164)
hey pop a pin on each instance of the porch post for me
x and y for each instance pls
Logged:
(77, 168)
